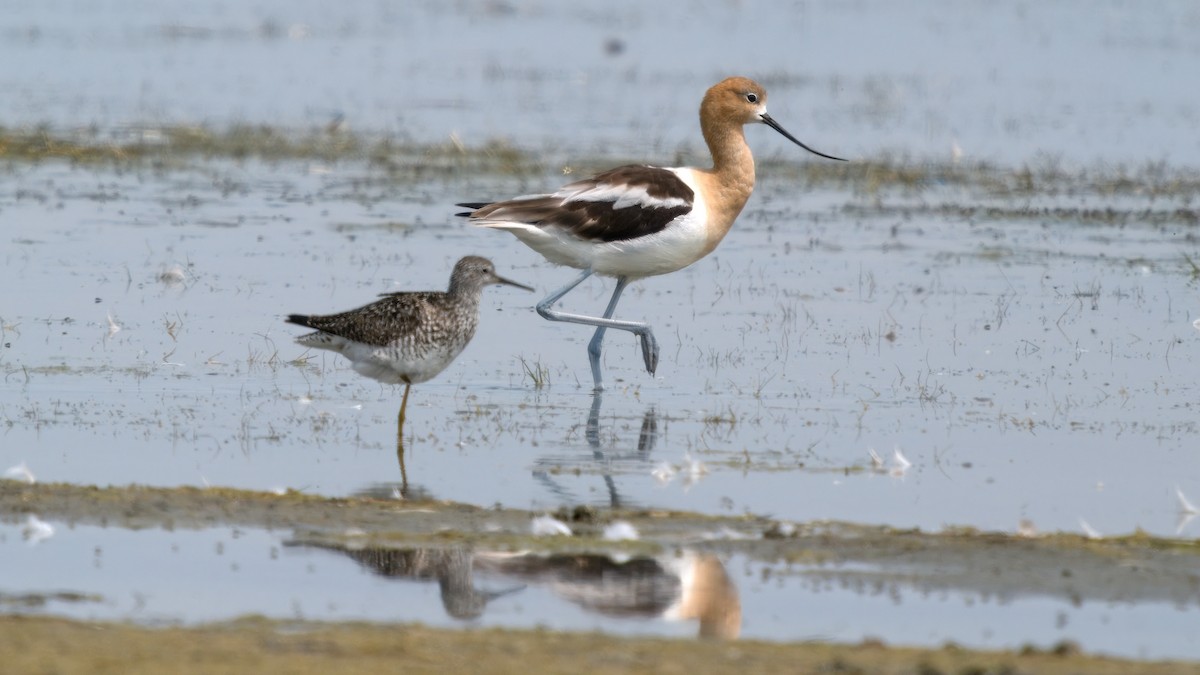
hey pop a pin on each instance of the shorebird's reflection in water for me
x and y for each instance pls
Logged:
(604, 458)
(451, 567)
(401, 489)
(689, 586)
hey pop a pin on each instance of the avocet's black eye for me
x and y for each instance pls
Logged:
(752, 97)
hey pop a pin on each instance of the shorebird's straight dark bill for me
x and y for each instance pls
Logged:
(770, 121)
(501, 280)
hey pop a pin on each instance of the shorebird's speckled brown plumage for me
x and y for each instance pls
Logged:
(407, 337)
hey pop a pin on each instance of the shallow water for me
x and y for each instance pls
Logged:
(1022, 370)
(1044, 382)
(1031, 353)
(134, 575)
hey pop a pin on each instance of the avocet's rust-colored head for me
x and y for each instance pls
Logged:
(740, 100)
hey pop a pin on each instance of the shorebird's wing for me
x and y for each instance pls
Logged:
(625, 203)
(378, 323)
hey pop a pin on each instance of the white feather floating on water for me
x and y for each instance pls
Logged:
(900, 464)
(546, 526)
(695, 469)
(663, 473)
(36, 530)
(876, 460)
(1184, 505)
(20, 472)
(1089, 531)
(619, 530)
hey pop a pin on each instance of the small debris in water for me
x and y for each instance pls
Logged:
(172, 275)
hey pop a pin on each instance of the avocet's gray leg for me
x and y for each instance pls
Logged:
(642, 330)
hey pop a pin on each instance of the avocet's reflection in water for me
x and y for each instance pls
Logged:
(690, 586)
(617, 456)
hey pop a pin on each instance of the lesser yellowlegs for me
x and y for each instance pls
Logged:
(407, 337)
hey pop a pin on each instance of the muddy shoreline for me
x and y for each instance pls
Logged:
(1128, 569)
(44, 645)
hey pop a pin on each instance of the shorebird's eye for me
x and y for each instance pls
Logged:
(752, 97)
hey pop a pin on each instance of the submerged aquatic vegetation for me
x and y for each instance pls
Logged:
(176, 146)
(537, 373)
(1045, 177)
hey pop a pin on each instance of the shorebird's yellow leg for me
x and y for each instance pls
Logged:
(400, 441)
(403, 405)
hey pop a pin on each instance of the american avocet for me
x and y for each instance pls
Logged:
(639, 221)
(407, 338)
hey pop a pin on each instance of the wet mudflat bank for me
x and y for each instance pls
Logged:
(38, 645)
(1128, 569)
(1132, 568)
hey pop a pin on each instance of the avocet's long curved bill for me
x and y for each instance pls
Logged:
(770, 121)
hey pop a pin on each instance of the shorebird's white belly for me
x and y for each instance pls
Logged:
(391, 364)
